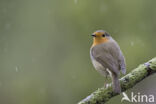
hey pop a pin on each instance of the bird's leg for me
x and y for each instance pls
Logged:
(106, 85)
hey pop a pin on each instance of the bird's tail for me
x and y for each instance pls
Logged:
(116, 83)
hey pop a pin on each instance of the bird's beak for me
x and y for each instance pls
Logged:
(93, 35)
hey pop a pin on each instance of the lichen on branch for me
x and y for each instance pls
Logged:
(102, 95)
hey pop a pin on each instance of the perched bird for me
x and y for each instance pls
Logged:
(107, 57)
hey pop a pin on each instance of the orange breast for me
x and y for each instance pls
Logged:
(97, 41)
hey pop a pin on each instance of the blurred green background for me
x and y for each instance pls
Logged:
(44, 47)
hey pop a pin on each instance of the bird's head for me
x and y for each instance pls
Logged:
(100, 36)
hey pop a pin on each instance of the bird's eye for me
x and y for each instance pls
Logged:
(103, 35)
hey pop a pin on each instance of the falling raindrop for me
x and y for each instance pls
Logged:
(75, 1)
(132, 43)
(103, 8)
(16, 68)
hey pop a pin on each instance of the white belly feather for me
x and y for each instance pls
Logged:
(101, 69)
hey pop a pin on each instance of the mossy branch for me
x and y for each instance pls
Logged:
(102, 95)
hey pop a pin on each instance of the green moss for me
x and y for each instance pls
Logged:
(153, 64)
(102, 95)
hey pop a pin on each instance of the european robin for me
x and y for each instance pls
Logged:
(107, 57)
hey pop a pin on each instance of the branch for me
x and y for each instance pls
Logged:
(102, 95)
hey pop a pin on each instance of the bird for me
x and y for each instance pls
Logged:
(107, 57)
